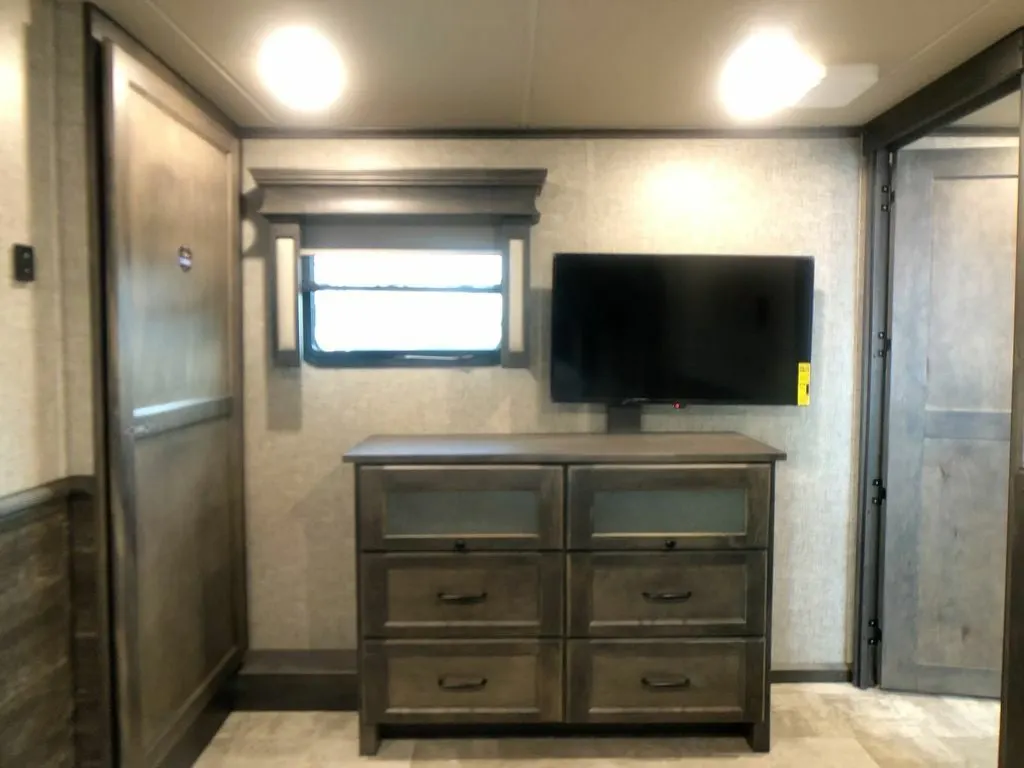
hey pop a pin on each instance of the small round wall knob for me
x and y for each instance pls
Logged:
(185, 258)
(670, 543)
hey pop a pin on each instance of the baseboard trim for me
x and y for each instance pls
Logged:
(823, 673)
(188, 729)
(200, 733)
(327, 681)
(297, 681)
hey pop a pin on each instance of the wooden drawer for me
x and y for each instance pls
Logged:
(482, 681)
(721, 506)
(460, 508)
(462, 595)
(667, 594)
(657, 681)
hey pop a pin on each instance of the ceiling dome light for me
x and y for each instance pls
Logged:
(302, 69)
(767, 72)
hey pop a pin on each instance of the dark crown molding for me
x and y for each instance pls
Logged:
(529, 134)
(401, 177)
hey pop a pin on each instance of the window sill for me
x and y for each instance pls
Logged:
(320, 359)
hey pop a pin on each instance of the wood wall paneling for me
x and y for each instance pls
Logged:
(54, 701)
(36, 703)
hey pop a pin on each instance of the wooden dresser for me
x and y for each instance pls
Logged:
(576, 579)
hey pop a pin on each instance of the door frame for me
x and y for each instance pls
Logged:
(876, 333)
(993, 74)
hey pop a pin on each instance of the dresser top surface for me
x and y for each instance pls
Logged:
(647, 448)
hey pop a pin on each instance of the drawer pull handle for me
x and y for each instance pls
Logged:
(466, 684)
(670, 543)
(666, 685)
(667, 597)
(460, 545)
(457, 599)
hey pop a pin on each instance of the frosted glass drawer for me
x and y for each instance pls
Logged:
(720, 506)
(460, 508)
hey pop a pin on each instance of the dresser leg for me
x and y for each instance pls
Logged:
(369, 739)
(760, 737)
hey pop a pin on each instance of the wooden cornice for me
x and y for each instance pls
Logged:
(484, 193)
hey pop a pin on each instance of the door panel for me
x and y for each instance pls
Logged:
(175, 463)
(948, 450)
(964, 586)
(972, 293)
(183, 528)
(185, 317)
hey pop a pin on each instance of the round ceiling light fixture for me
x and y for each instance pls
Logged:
(766, 73)
(301, 68)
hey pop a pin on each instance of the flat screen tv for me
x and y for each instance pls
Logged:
(681, 329)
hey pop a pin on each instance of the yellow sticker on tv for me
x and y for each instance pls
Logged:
(803, 384)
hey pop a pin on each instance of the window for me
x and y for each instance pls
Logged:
(368, 307)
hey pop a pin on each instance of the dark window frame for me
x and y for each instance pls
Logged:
(321, 358)
(309, 206)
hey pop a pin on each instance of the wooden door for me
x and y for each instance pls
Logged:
(949, 421)
(175, 458)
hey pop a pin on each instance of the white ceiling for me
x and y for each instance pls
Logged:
(421, 64)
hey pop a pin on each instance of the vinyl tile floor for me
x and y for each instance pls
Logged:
(814, 726)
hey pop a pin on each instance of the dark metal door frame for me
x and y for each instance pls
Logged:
(876, 334)
(991, 75)
(1011, 731)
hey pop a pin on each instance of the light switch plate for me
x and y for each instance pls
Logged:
(24, 263)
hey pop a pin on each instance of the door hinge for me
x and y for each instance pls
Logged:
(875, 632)
(880, 494)
(886, 347)
(888, 197)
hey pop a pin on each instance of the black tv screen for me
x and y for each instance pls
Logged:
(689, 329)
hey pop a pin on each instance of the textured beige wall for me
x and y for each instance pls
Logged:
(32, 441)
(46, 355)
(713, 196)
(73, 230)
